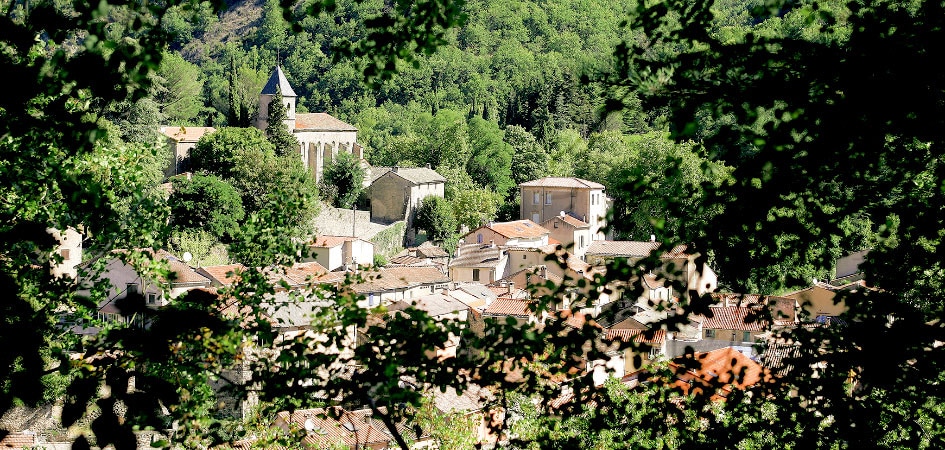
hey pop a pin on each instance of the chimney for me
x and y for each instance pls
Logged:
(491, 243)
(652, 238)
(561, 214)
(544, 271)
(394, 169)
(511, 287)
(428, 166)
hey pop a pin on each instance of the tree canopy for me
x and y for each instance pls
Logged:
(797, 131)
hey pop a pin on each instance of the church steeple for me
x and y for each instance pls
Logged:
(277, 83)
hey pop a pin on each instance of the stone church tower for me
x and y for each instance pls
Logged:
(321, 136)
(277, 83)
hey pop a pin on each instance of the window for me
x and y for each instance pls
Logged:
(746, 336)
(479, 238)
(475, 274)
(710, 334)
(524, 256)
(536, 198)
(593, 198)
(370, 300)
(64, 253)
(536, 218)
(580, 241)
(152, 298)
(131, 288)
(548, 198)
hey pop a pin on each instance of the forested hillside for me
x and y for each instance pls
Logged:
(519, 91)
(767, 137)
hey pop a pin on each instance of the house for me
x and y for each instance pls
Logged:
(440, 306)
(545, 198)
(518, 233)
(383, 286)
(337, 252)
(738, 327)
(472, 402)
(676, 264)
(483, 263)
(425, 252)
(69, 250)
(474, 295)
(223, 275)
(396, 192)
(143, 278)
(823, 299)
(338, 428)
(321, 136)
(716, 373)
(180, 141)
(533, 280)
(158, 290)
(573, 233)
(523, 311)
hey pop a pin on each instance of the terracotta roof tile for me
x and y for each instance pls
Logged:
(325, 241)
(734, 318)
(650, 337)
(508, 307)
(391, 278)
(225, 274)
(563, 182)
(525, 229)
(320, 122)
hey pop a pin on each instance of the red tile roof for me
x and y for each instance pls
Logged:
(723, 367)
(226, 274)
(320, 122)
(739, 318)
(650, 337)
(508, 307)
(567, 219)
(332, 241)
(523, 229)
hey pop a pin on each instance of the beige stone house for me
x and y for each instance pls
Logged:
(321, 136)
(396, 192)
(517, 233)
(336, 252)
(678, 263)
(391, 284)
(125, 279)
(545, 198)
(572, 233)
(180, 141)
(482, 263)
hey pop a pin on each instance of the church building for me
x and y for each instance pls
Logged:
(321, 136)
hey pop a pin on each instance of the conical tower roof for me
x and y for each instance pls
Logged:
(279, 80)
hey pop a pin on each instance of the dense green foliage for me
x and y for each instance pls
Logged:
(278, 134)
(342, 181)
(775, 138)
(435, 216)
(205, 202)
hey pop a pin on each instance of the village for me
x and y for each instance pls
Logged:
(549, 266)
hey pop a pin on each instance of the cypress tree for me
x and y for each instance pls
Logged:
(276, 131)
